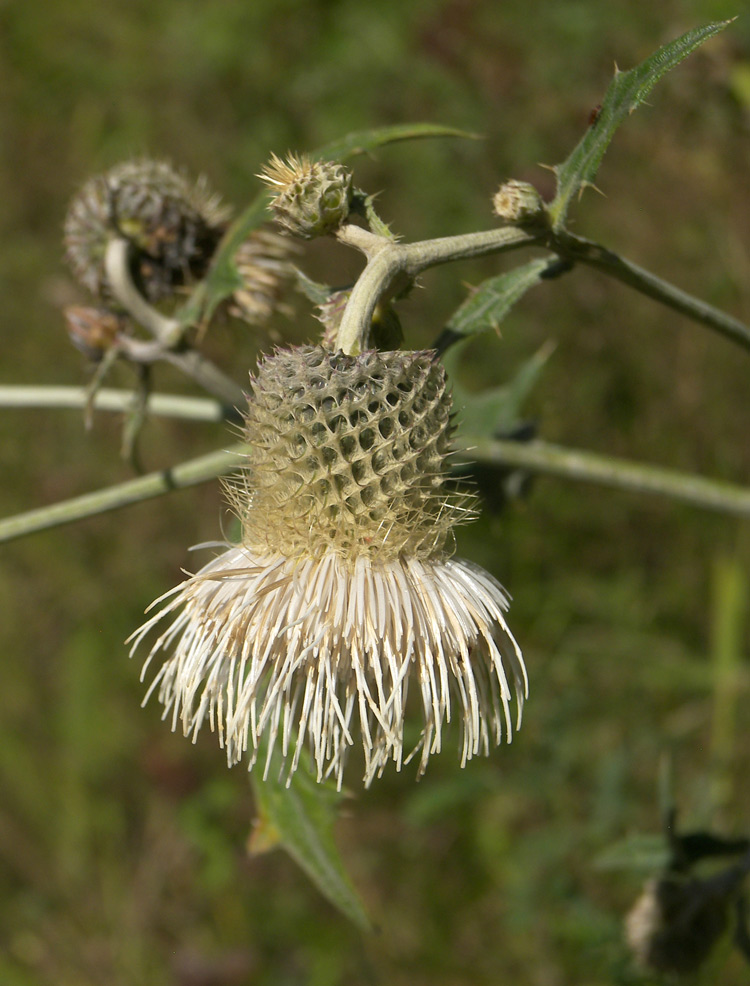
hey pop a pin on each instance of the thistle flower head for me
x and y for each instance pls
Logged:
(173, 225)
(341, 594)
(311, 198)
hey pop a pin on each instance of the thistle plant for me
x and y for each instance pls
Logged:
(339, 624)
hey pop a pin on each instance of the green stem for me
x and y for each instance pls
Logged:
(391, 265)
(537, 457)
(577, 248)
(190, 473)
(109, 399)
(590, 467)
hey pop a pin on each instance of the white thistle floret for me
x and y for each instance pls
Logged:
(293, 648)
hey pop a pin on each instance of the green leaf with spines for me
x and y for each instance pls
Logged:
(490, 302)
(300, 819)
(626, 92)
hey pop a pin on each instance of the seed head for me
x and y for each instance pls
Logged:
(311, 198)
(172, 224)
(342, 590)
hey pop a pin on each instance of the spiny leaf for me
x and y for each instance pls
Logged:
(362, 141)
(625, 93)
(300, 819)
(488, 304)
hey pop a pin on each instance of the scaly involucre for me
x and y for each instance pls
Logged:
(341, 595)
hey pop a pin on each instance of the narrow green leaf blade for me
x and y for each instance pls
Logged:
(638, 851)
(223, 278)
(625, 93)
(301, 819)
(496, 410)
(362, 141)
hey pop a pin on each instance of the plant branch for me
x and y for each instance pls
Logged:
(392, 265)
(577, 248)
(554, 460)
(168, 333)
(537, 456)
(109, 399)
(200, 470)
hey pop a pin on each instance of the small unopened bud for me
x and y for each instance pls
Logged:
(519, 204)
(93, 331)
(330, 313)
(311, 198)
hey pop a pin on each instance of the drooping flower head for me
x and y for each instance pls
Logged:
(342, 596)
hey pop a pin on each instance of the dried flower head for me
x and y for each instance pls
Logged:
(173, 225)
(342, 594)
(676, 923)
(311, 198)
(263, 262)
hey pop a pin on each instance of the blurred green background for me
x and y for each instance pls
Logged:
(122, 848)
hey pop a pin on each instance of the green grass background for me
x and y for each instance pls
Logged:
(122, 847)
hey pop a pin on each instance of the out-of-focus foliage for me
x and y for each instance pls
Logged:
(122, 848)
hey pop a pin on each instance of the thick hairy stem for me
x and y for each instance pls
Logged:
(391, 266)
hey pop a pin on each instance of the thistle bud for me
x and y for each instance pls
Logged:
(93, 330)
(519, 204)
(311, 198)
(172, 224)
